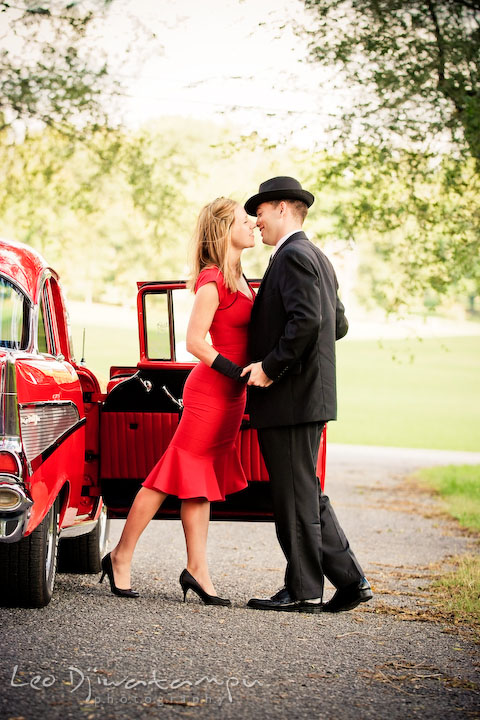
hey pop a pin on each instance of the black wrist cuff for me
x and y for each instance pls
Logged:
(229, 368)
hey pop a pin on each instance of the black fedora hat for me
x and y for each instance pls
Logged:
(278, 188)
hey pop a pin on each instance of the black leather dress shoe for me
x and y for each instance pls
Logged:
(282, 595)
(349, 597)
(282, 602)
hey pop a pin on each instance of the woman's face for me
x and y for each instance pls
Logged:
(242, 230)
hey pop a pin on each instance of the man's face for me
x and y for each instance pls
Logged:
(269, 222)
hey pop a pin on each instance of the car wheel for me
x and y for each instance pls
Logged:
(83, 554)
(28, 567)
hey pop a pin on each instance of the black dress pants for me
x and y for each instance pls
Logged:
(308, 531)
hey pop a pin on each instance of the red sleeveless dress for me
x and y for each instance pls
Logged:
(202, 460)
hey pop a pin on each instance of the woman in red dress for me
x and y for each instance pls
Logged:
(201, 463)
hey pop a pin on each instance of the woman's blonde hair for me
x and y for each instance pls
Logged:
(211, 241)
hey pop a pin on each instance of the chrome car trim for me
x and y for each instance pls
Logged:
(18, 287)
(52, 534)
(147, 384)
(124, 380)
(103, 526)
(41, 403)
(77, 530)
(41, 280)
(44, 425)
(19, 515)
(9, 424)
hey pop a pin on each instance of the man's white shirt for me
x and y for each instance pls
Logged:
(282, 240)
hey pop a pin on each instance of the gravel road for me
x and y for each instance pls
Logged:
(91, 655)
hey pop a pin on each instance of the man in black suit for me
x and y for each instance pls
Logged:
(296, 318)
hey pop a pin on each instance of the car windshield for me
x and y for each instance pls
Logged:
(13, 316)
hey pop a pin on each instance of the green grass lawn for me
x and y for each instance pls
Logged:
(459, 488)
(459, 592)
(409, 393)
(401, 393)
(106, 346)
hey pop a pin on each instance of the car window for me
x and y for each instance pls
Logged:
(182, 307)
(166, 313)
(46, 330)
(61, 319)
(42, 332)
(166, 318)
(157, 333)
(14, 312)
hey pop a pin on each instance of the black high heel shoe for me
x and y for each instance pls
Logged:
(108, 571)
(188, 582)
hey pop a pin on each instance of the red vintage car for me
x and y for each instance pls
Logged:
(71, 455)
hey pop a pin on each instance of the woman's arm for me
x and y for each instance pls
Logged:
(206, 303)
(201, 318)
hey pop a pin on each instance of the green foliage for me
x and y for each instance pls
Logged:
(409, 180)
(416, 218)
(102, 212)
(417, 65)
(122, 207)
(46, 74)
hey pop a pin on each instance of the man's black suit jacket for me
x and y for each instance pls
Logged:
(296, 318)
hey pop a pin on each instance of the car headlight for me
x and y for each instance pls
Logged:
(10, 499)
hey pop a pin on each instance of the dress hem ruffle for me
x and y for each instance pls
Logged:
(188, 476)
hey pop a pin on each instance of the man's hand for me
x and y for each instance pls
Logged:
(257, 376)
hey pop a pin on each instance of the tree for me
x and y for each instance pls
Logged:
(416, 64)
(48, 77)
(410, 138)
(105, 213)
(66, 165)
(415, 218)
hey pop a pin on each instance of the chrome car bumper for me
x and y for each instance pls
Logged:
(15, 509)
